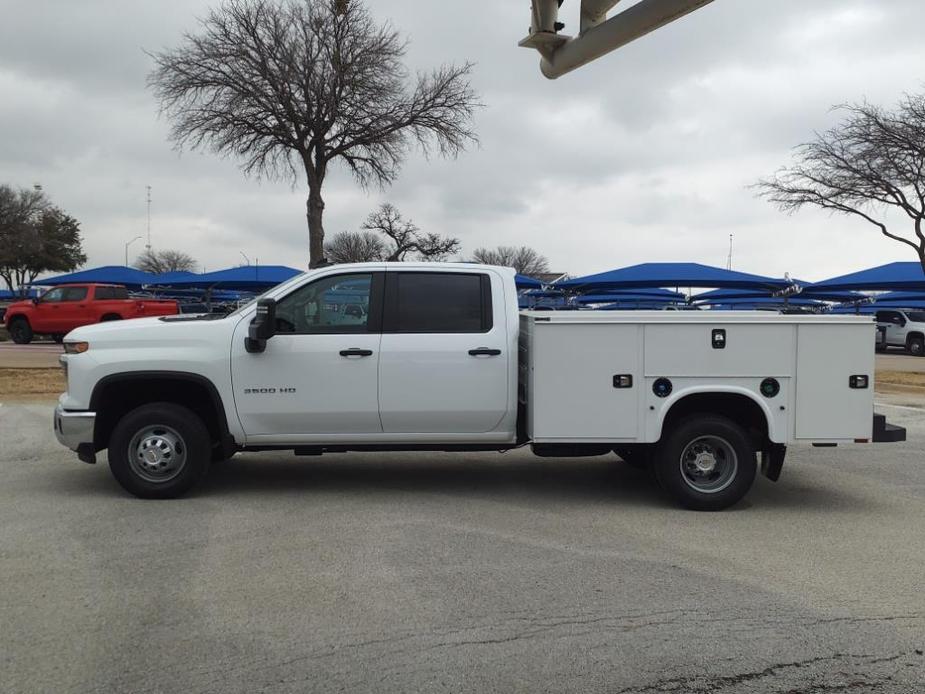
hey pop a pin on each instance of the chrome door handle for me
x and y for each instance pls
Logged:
(484, 352)
(354, 352)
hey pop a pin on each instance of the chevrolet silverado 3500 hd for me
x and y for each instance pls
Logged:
(431, 356)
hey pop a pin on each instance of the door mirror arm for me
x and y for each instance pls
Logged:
(262, 327)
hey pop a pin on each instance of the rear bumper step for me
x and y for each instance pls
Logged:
(887, 433)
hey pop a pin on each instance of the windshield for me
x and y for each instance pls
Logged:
(916, 316)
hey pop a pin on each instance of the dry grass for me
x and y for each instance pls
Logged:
(906, 379)
(31, 382)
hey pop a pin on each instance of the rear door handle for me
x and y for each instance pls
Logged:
(354, 352)
(484, 352)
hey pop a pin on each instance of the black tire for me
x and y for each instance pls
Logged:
(58, 338)
(110, 317)
(720, 442)
(167, 431)
(20, 331)
(916, 346)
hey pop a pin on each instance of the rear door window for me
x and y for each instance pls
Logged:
(437, 302)
(104, 293)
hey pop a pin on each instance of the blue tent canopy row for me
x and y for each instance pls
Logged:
(903, 276)
(246, 278)
(763, 302)
(673, 275)
(830, 295)
(106, 274)
(524, 282)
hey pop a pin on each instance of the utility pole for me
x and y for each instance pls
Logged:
(148, 247)
(729, 259)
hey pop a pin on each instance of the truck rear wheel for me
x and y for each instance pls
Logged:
(706, 463)
(20, 331)
(159, 451)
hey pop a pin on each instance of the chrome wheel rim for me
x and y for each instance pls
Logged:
(708, 464)
(157, 453)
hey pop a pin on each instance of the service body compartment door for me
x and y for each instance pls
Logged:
(719, 349)
(573, 394)
(827, 407)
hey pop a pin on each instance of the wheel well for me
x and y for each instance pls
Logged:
(110, 316)
(15, 317)
(118, 395)
(741, 409)
(912, 336)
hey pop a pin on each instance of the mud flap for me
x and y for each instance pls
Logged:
(772, 461)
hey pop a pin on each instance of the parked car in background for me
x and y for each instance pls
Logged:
(902, 328)
(69, 306)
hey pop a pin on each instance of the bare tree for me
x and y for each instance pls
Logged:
(867, 165)
(290, 84)
(406, 239)
(157, 262)
(524, 259)
(354, 247)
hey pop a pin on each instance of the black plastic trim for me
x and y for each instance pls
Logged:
(887, 433)
(227, 440)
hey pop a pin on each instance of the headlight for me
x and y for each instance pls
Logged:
(76, 347)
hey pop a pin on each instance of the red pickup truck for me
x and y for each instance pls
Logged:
(68, 306)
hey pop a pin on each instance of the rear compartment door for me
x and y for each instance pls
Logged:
(827, 407)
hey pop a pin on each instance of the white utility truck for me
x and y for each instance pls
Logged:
(902, 328)
(437, 357)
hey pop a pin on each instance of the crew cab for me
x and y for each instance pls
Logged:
(434, 356)
(902, 328)
(69, 306)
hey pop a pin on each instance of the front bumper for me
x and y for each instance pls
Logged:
(75, 430)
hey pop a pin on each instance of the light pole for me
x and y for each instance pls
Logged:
(126, 248)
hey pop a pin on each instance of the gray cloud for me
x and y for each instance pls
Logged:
(643, 155)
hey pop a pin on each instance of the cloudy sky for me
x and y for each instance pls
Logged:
(644, 155)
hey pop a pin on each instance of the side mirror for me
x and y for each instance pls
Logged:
(263, 327)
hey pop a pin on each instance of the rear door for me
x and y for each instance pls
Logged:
(443, 367)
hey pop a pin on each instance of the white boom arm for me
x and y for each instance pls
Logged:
(597, 35)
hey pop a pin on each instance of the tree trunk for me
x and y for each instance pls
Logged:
(314, 214)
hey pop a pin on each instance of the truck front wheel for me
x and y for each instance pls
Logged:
(705, 463)
(916, 346)
(20, 331)
(159, 451)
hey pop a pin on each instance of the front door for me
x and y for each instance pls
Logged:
(319, 373)
(444, 363)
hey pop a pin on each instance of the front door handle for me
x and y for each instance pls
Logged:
(484, 352)
(354, 352)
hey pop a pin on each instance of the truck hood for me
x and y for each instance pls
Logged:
(153, 332)
(18, 304)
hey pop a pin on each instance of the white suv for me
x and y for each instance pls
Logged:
(902, 328)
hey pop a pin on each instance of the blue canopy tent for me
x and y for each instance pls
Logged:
(168, 279)
(524, 282)
(672, 275)
(903, 276)
(819, 295)
(106, 274)
(746, 303)
(252, 278)
(630, 297)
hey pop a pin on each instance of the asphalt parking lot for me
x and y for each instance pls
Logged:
(460, 572)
